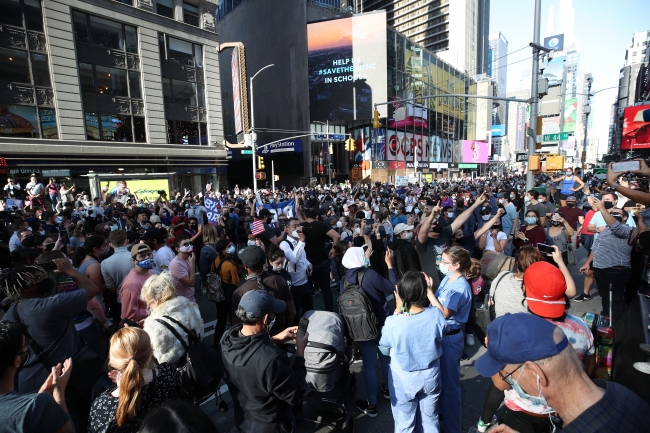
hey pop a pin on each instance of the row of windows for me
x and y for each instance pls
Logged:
(110, 81)
(24, 67)
(105, 33)
(190, 11)
(22, 13)
(179, 51)
(110, 127)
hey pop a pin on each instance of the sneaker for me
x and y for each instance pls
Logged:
(645, 347)
(481, 426)
(582, 297)
(469, 340)
(643, 367)
(362, 405)
(384, 390)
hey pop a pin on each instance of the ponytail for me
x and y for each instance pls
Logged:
(130, 390)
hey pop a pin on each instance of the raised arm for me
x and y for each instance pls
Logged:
(478, 233)
(65, 267)
(460, 219)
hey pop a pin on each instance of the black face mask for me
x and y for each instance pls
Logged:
(49, 247)
(571, 205)
(437, 229)
(618, 217)
(609, 204)
(28, 242)
(555, 223)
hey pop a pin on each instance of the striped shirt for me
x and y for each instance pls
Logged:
(611, 248)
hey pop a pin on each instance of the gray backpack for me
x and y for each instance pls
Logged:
(325, 351)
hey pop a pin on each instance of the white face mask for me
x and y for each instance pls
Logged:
(251, 243)
(501, 200)
(450, 214)
(444, 269)
(186, 249)
(346, 213)
(339, 224)
(295, 234)
(357, 231)
(408, 236)
(486, 217)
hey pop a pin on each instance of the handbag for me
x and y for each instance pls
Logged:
(492, 264)
(213, 283)
(487, 313)
(89, 365)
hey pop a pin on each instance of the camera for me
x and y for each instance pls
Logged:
(161, 192)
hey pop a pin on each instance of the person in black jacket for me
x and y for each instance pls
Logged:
(402, 246)
(263, 382)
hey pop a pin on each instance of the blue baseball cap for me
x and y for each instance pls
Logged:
(515, 339)
(257, 303)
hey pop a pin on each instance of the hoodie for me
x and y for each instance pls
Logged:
(264, 384)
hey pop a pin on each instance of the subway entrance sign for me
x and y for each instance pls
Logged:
(556, 137)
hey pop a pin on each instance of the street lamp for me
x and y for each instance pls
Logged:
(587, 112)
(329, 155)
(253, 134)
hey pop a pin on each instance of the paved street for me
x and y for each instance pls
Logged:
(473, 385)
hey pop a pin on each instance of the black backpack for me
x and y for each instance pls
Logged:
(357, 311)
(200, 373)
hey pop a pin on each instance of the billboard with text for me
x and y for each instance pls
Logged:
(347, 67)
(636, 127)
(475, 151)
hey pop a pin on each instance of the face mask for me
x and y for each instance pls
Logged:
(571, 205)
(186, 249)
(609, 204)
(618, 217)
(28, 242)
(114, 227)
(531, 220)
(555, 223)
(569, 173)
(408, 236)
(527, 199)
(187, 206)
(444, 269)
(385, 200)
(501, 201)
(295, 234)
(146, 264)
(59, 220)
(395, 211)
(30, 229)
(49, 247)
(276, 268)
(251, 243)
(272, 200)
(512, 196)
(539, 400)
(450, 214)
(339, 224)
(42, 232)
(486, 217)
(417, 211)
(346, 213)
(357, 231)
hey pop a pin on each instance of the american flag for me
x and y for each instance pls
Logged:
(258, 227)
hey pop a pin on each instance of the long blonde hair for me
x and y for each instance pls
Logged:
(130, 353)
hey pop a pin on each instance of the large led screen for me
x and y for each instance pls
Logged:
(347, 67)
(475, 151)
(636, 127)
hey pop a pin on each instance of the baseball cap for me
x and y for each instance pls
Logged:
(545, 287)
(351, 203)
(154, 219)
(515, 339)
(399, 228)
(571, 198)
(140, 249)
(154, 233)
(263, 212)
(257, 303)
(252, 255)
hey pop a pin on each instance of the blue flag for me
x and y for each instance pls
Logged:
(213, 206)
(287, 207)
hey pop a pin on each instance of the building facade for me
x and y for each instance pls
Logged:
(637, 51)
(108, 87)
(497, 69)
(516, 127)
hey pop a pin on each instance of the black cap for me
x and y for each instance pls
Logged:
(252, 255)
(263, 212)
(154, 233)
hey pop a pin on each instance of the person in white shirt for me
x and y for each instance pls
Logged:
(491, 236)
(298, 267)
(163, 255)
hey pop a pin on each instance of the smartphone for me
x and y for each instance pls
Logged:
(302, 327)
(626, 166)
(48, 266)
(131, 323)
(545, 249)
(305, 229)
(370, 221)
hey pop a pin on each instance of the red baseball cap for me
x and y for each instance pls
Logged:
(545, 287)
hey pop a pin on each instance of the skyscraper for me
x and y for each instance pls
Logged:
(458, 29)
(637, 51)
(497, 69)
(517, 121)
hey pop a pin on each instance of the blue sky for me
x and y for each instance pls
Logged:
(603, 28)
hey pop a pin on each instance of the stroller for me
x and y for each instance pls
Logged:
(327, 360)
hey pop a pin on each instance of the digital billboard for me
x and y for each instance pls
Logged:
(475, 151)
(636, 127)
(236, 90)
(570, 115)
(18, 121)
(347, 67)
(555, 42)
(401, 146)
(554, 71)
(498, 130)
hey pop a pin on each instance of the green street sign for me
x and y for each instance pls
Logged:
(246, 152)
(556, 137)
(467, 165)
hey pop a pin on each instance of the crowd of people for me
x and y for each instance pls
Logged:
(99, 306)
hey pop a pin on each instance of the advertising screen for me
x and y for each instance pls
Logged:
(570, 115)
(636, 127)
(146, 190)
(554, 71)
(555, 42)
(18, 121)
(475, 151)
(551, 125)
(401, 146)
(347, 67)
(498, 130)
(236, 90)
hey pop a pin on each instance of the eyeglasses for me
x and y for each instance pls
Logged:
(508, 377)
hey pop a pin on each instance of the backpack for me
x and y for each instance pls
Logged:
(399, 263)
(325, 351)
(214, 285)
(200, 373)
(357, 311)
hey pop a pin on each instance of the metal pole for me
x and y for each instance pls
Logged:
(329, 154)
(584, 146)
(272, 176)
(534, 96)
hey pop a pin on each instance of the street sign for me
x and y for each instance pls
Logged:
(522, 157)
(356, 174)
(294, 145)
(467, 165)
(556, 137)
(246, 152)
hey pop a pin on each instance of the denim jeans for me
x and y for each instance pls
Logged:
(320, 279)
(302, 299)
(369, 353)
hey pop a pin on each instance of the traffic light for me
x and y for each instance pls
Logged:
(375, 120)
(349, 145)
(260, 162)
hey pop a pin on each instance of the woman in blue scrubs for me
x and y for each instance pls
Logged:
(453, 298)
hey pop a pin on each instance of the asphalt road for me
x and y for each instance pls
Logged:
(473, 385)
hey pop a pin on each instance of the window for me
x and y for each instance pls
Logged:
(644, 43)
(15, 65)
(15, 11)
(190, 14)
(180, 51)
(109, 79)
(33, 15)
(184, 92)
(165, 8)
(633, 53)
(40, 70)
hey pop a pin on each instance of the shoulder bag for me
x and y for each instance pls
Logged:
(487, 313)
(87, 365)
(213, 283)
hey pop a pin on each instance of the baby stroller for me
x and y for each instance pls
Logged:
(329, 380)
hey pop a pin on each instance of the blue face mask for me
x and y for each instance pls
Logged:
(231, 250)
(146, 264)
(59, 220)
(531, 220)
(538, 400)
(114, 227)
(42, 232)
(271, 200)
(187, 206)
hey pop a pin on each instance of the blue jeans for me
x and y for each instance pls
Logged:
(369, 353)
(452, 350)
(414, 398)
(320, 279)
(302, 299)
